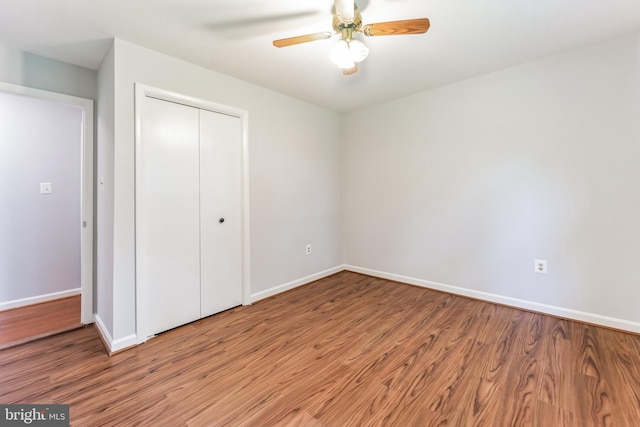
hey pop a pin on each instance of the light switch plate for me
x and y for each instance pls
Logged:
(45, 188)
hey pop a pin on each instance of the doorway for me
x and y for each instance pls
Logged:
(46, 209)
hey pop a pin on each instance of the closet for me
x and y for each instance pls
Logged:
(188, 214)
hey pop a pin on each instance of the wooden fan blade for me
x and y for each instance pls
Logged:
(349, 71)
(301, 39)
(391, 28)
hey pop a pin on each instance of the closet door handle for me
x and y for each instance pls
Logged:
(221, 220)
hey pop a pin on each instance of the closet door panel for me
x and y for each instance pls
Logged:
(220, 197)
(167, 217)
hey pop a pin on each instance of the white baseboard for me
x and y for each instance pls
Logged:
(113, 345)
(294, 284)
(38, 299)
(597, 319)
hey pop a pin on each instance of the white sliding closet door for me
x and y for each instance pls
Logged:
(188, 214)
(167, 216)
(220, 213)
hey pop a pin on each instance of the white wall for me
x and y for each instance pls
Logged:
(27, 69)
(467, 184)
(40, 141)
(295, 175)
(104, 192)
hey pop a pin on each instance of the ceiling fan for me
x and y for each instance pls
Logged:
(347, 22)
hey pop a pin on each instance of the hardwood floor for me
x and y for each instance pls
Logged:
(346, 350)
(32, 322)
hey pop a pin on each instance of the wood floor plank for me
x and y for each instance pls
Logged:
(547, 414)
(558, 382)
(315, 385)
(25, 324)
(362, 374)
(345, 350)
(620, 368)
(599, 388)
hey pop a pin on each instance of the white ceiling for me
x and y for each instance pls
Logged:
(467, 38)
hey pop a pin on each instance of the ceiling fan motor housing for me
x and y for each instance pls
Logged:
(347, 29)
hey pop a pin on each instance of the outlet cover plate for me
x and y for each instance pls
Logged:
(540, 266)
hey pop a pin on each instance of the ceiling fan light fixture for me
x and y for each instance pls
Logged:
(358, 50)
(345, 54)
(341, 55)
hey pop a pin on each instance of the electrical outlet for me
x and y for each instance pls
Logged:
(540, 266)
(308, 249)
